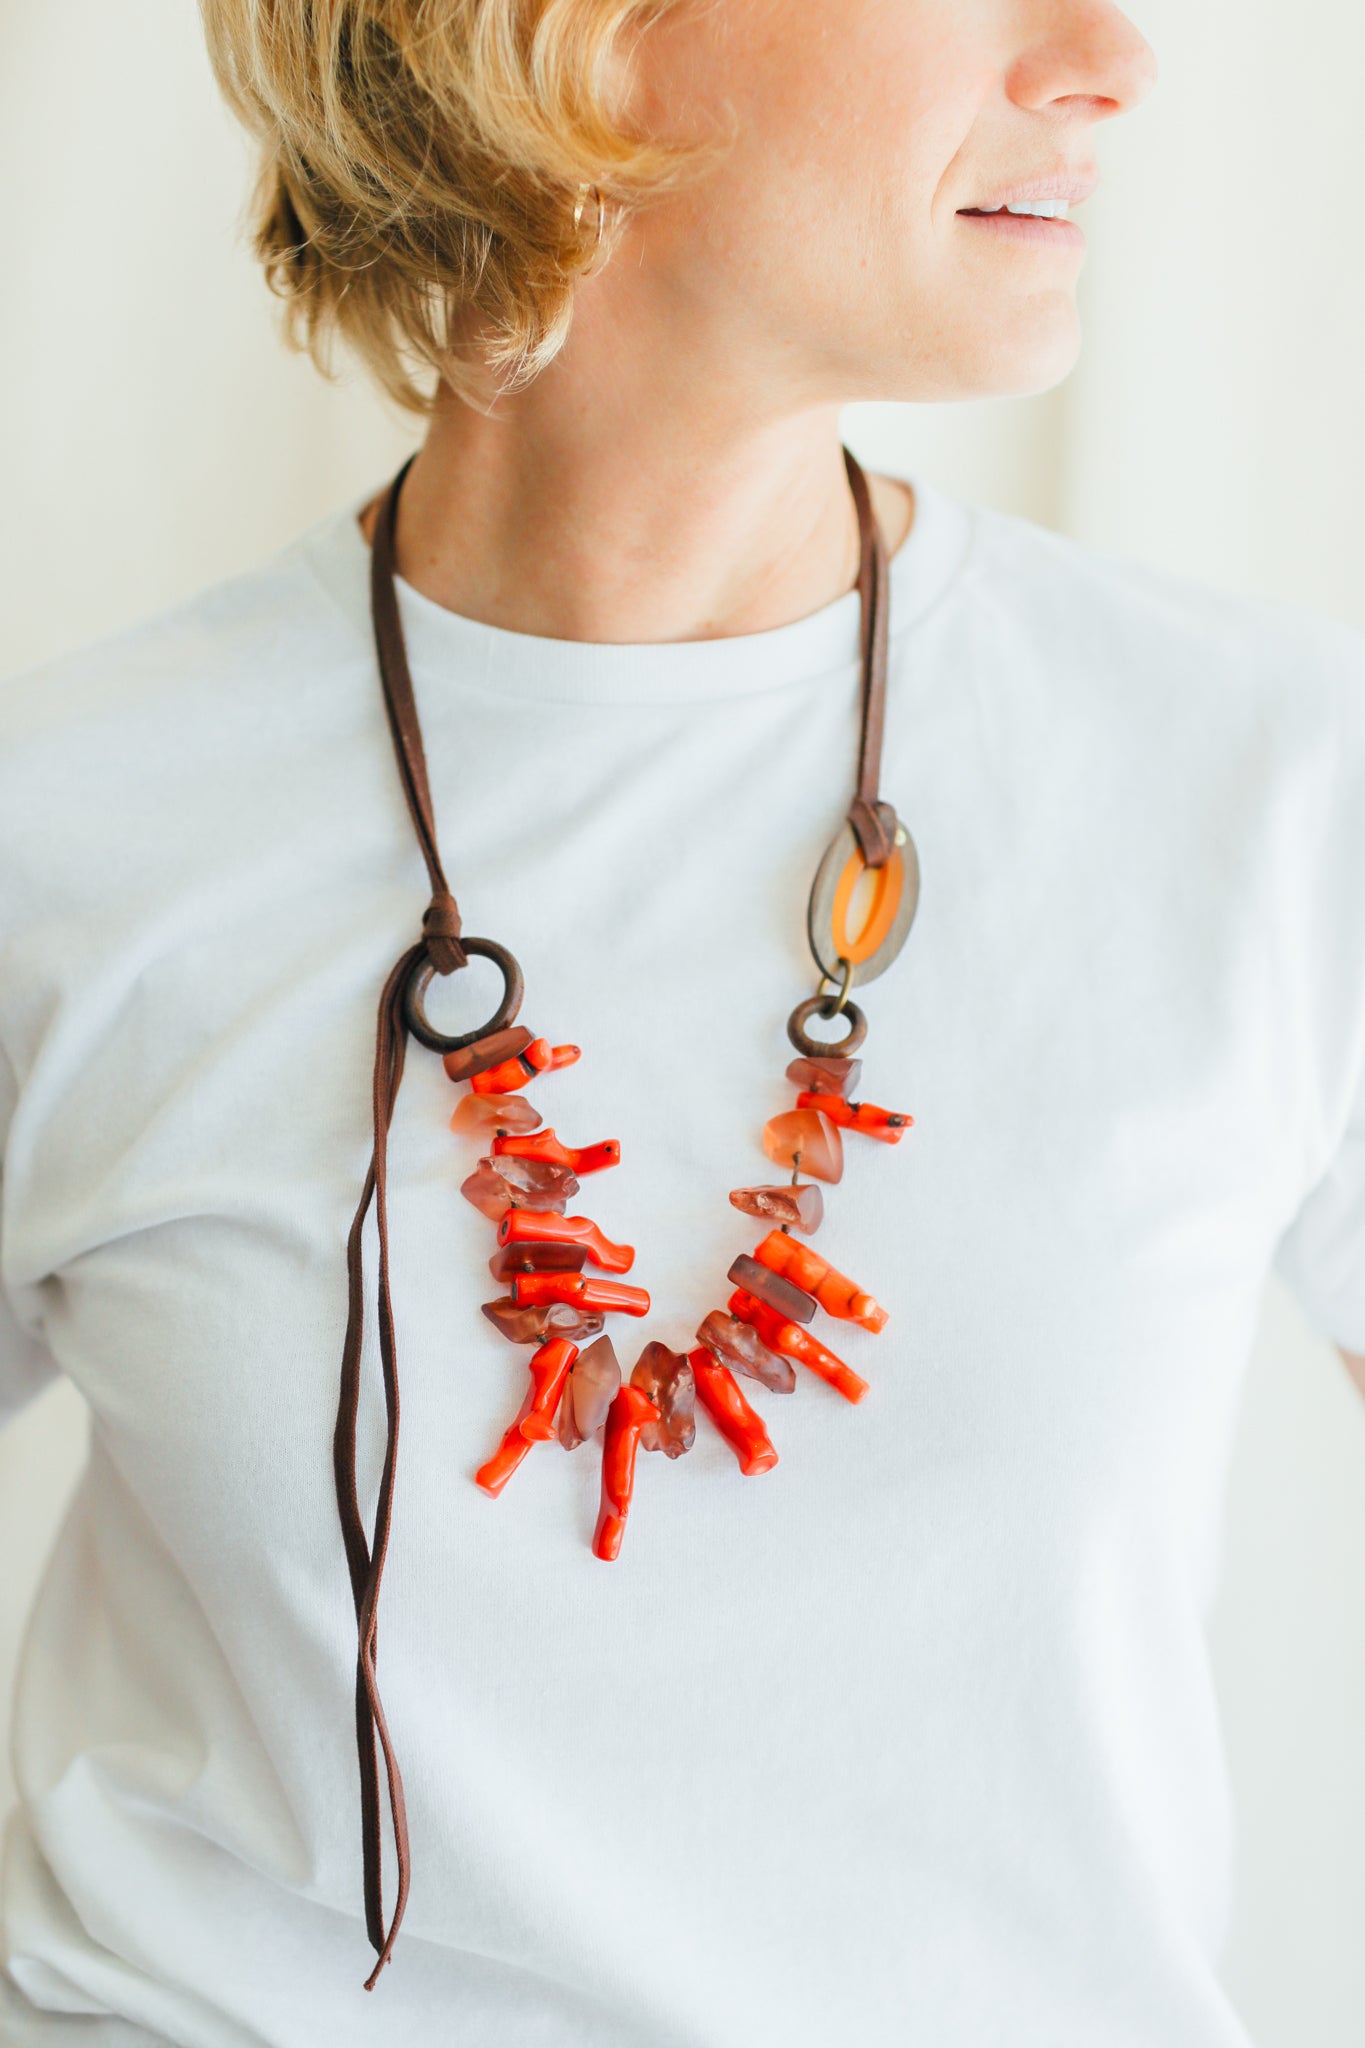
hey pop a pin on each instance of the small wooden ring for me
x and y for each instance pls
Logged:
(825, 1048)
(415, 987)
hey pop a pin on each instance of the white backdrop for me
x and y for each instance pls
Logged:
(154, 435)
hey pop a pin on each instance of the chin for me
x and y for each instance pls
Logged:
(992, 357)
(1011, 365)
(1035, 358)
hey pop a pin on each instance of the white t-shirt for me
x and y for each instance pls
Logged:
(908, 1740)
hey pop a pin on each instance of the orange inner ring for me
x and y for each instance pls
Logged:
(881, 916)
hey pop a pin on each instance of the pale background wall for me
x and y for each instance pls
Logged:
(154, 435)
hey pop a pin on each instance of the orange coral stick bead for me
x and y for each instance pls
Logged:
(545, 1145)
(534, 1420)
(836, 1294)
(718, 1392)
(517, 1071)
(549, 1375)
(630, 1410)
(794, 1342)
(503, 1079)
(890, 1125)
(541, 1055)
(539, 1226)
(533, 1289)
(494, 1475)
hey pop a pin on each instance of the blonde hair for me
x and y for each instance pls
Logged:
(420, 164)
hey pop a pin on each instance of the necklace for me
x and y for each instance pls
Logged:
(527, 1177)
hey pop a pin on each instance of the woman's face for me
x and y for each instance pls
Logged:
(834, 238)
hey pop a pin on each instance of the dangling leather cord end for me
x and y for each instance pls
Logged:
(365, 1556)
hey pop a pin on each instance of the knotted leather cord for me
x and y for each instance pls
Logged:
(874, 824)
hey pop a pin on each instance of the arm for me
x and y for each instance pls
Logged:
(1355, 1365)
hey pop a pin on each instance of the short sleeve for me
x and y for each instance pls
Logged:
(1321, 1256)
(1321, 1253)
(26, 1364)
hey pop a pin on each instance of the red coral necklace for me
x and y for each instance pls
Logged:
(527, 1177)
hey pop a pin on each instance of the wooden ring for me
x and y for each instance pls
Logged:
(419, 976)
(826, 1048)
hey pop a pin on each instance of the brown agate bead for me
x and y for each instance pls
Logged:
(803, 1207)
(671, 1385)
(469, 1060)
(497, 1185)
(488, 1192)
(537, 1258)
(831, 1076)
(743, 1350)
(536, 1183)
(806, 1140)
(784, 1296)
(534, 1324)
(483, 1113)
(588, 1393)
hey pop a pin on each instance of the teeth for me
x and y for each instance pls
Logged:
(1045, 209)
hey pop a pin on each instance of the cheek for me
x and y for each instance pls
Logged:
(847, 133)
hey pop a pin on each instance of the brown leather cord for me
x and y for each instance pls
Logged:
(442, 920)
(873, 822)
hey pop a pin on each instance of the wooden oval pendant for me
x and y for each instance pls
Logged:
(883, 928)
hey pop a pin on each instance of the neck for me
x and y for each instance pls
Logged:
(672, 509)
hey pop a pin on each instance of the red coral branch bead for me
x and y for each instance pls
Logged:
(538, 1226)
(533, 1289)
(890, 1125)
(794, 1342)
(718, 1392)
(545, 1145)
(550, 1368)
(534, 1421)
(630, 1410)
(835, 1292)
(516, 1072)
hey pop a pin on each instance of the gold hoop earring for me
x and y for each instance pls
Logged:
(580, 203)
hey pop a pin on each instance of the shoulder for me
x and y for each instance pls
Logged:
(1152, 643)
(120, 755)
(212, 643)
(1097, 598)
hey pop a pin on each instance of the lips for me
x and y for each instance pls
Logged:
(1057, 233)
(1062, 182)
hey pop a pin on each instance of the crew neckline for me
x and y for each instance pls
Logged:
(470, 654)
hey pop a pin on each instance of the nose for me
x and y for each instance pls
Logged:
(1085, 54)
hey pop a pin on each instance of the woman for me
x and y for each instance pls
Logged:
(904, 1734)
